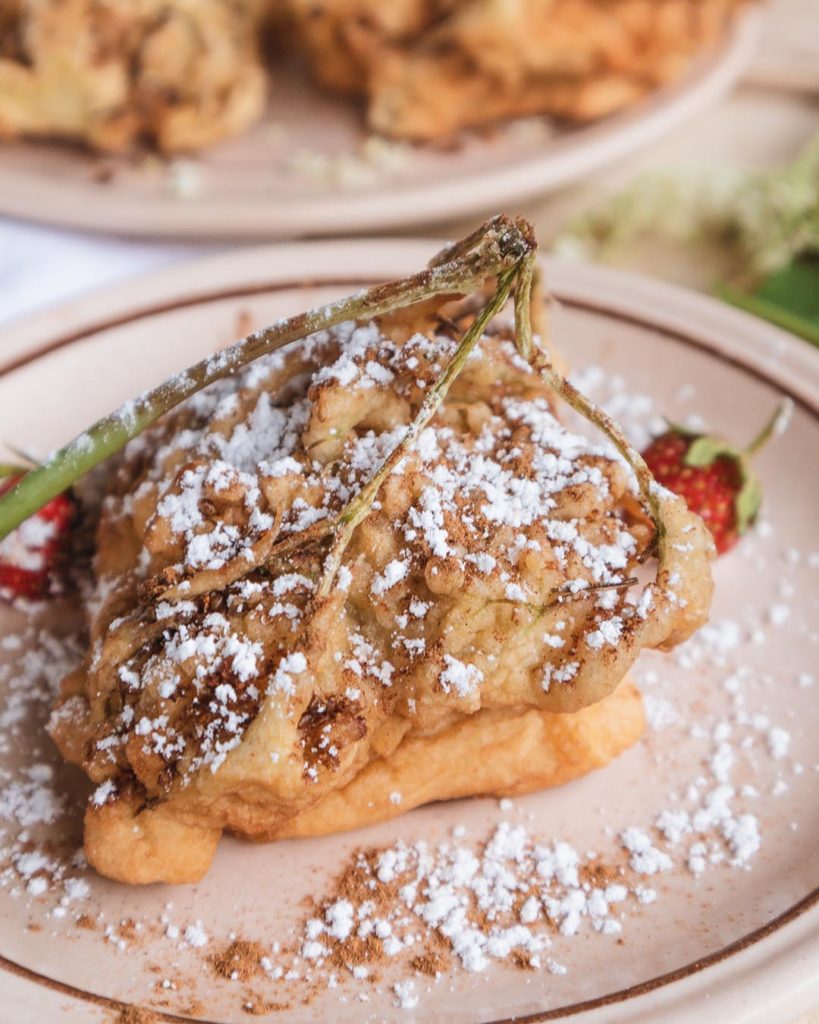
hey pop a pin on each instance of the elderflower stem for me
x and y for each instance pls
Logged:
(538, 306)
(562, 595)
(539, 360)
(492, 250)
(523, 307)
(594, 414)
(361, 504)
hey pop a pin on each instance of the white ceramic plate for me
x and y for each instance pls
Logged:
(252, 187)
(731, 945)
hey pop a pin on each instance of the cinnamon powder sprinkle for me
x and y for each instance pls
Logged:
(136, 1015)
(241, 960)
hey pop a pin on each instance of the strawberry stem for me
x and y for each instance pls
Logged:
(775, 425)
(25, 458)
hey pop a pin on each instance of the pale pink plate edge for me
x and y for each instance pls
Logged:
(405, 205)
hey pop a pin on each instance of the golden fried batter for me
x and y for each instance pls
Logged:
(177, 75)
(221, 691)
(180, 74)
(492, 753)
(432, 68)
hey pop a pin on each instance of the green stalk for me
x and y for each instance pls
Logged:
(359, 507)
(494, 249)
(594, 414)
(780, 414)
(523, 307)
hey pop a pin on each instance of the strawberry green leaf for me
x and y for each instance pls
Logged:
(706, 450)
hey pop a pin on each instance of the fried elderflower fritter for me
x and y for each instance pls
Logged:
(177, 74)
(180, 74)
(430, 67)
(481, 607)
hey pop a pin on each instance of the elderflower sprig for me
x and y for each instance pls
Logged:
(495, 249)
(503, 249)
(360, 505)
(758, 221)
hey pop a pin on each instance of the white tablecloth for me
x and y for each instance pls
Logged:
(41, 266)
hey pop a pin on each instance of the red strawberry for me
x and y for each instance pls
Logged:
(29, 555)
(713, 477)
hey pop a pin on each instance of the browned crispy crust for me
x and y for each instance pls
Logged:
(491, 753)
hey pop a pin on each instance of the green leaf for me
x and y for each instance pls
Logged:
(795, 287)
(789, 298)
(706, 450)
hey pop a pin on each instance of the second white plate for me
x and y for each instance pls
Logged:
(303, 171)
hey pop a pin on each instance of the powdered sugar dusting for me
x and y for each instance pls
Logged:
(723, 753)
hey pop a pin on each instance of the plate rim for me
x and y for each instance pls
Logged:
(406, 205)
(778, 948)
